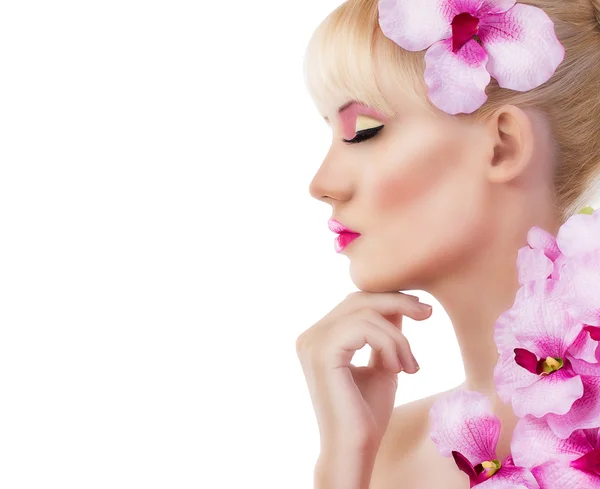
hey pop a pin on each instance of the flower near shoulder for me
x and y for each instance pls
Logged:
(541, 258)
(537, 342)
(557, 463)
(579, 241)
(548, 370)
(464, 427)
(549, 364)
(468, 41)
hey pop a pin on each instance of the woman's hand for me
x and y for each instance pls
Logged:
(353, 405)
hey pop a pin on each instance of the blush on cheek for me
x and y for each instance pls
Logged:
(400, 188)
(419, 176)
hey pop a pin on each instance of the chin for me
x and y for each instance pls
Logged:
(385, 278)
(367, 281)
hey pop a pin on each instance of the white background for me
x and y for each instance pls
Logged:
(159, 250)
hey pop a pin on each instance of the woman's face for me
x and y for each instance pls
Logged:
(416, 191)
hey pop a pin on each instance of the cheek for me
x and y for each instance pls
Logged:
(414, 180)
(396, 189)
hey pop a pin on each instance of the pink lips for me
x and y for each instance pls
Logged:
(345, 235)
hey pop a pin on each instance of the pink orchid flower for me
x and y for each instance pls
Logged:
(579, 241)
(584, 353)
(541, 258)
(465, 427)
(557, 463)
(535, 371)
(469, 40)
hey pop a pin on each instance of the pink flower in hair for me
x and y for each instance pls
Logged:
(471, 40)
(463, 425)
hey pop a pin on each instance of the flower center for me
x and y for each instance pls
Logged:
(529, 361)
(480, 472)
(464, 28)
(488, 468)
(590, 462)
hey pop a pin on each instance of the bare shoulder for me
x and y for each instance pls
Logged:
(407, 450)
(408, 425)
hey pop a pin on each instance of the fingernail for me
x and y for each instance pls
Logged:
(425, 307)
(416, 363)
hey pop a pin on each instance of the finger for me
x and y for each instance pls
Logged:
(356, 334)
(385, 303)
(403, 349)
(395, 319)
(377, 360)
(384, 357)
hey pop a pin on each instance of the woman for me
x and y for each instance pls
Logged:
(464, 171)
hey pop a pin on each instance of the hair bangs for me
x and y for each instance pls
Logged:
(346, 56)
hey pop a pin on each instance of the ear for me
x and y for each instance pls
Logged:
(512, 134)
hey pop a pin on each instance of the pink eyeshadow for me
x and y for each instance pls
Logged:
(349, 114)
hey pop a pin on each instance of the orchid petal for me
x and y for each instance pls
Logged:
(594, 332)
(463, 421)
(464, 465)
(504, 336)
(584, 347)
(543, 324)
(580, 277)
(533, 265)
(593, 437)
(560, 475)
(534, 443)
(540, 239)
(584, 413)
(456, 81)
(580, 234)
(527, 360)
(510, 478)
(415, 26)
(554, 393)
(478, 8)
(508, 377)
(558, 264)
(523, 49)
(581, 367)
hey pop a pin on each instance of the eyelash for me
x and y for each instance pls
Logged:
(364, 135)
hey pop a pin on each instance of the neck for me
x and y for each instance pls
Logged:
(474, 302)
(474, 298)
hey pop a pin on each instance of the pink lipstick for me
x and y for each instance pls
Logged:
(345, 235)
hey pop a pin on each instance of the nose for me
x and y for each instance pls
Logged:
(332, 180)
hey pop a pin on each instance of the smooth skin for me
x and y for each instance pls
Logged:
(353, 404)
(443, 205)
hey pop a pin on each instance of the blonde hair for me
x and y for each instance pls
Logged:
(348, 50)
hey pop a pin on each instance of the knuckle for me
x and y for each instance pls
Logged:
(368, 313)
(300, 341)
(390, 342)
(354, 295)
(304, 340)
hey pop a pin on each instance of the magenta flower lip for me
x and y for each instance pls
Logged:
(530, 362)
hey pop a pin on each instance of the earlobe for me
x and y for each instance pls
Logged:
(513, 134)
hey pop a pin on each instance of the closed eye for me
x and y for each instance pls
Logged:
(364, 135)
